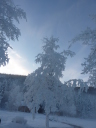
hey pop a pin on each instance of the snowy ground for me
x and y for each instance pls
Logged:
(39, 121)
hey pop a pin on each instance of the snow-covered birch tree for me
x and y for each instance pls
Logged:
(43, 85)
(9, 13)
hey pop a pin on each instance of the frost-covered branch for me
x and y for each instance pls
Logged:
(9, 13)
(88, 37)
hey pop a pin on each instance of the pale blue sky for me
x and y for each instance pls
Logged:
(61, 18)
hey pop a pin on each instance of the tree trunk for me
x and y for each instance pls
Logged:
(47, 120)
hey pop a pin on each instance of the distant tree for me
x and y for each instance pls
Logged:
(43, 85)
(88, 37)
(85, 104)
(82, 99)
(15, 96)
(9, 13)
(1, 93)
(3, 86)
(68, 105)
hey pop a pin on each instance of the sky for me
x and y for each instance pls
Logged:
(63, 19)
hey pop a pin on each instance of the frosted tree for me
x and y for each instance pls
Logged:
(88, 37)
(92, 78)
(75, 83)
(68, 105)
(15, 94)
(43, 85)
(80, 89)
(9, 13)
(15, 98)
(85, 104)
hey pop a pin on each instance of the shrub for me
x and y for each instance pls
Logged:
(19, 120)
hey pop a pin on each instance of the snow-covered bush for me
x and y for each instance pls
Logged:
(19, 120)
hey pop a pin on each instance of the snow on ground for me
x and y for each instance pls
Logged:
(39, 121)
(84, 123)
